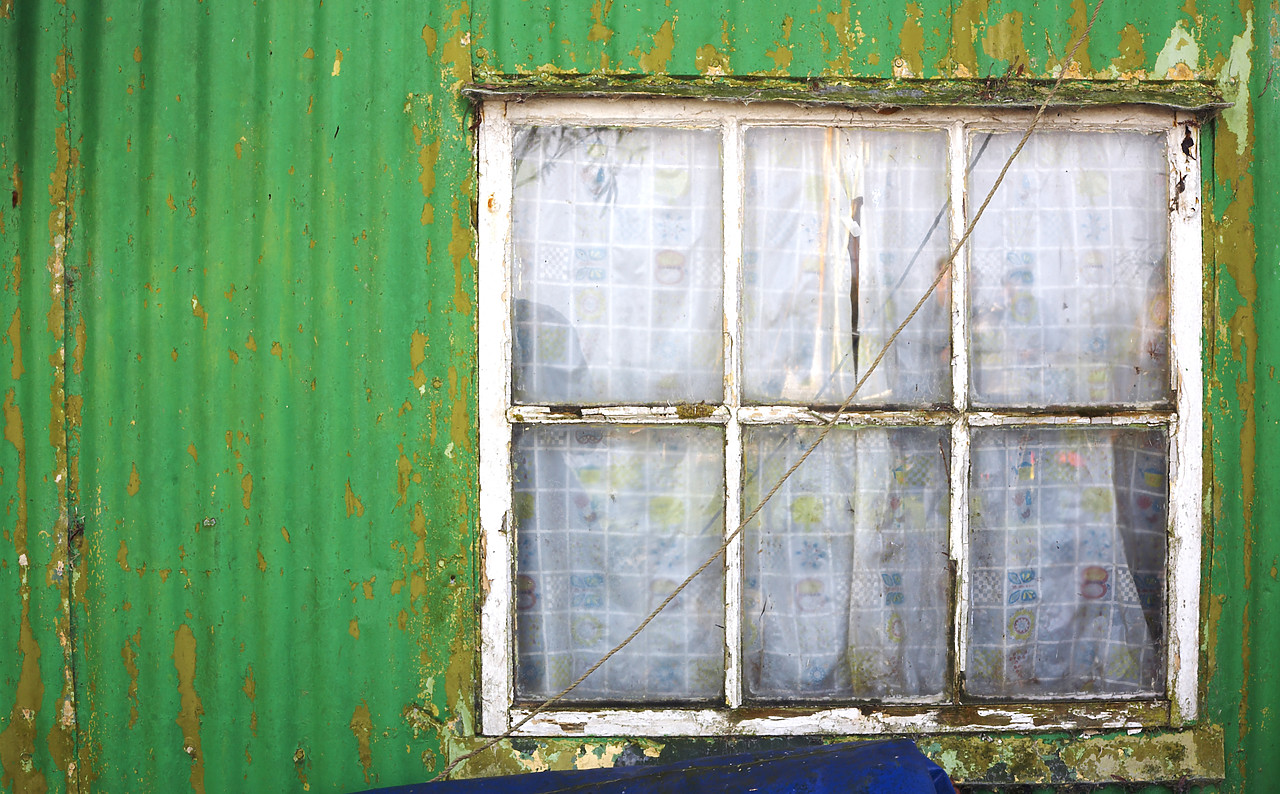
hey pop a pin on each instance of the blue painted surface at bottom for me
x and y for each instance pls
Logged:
(881, 767)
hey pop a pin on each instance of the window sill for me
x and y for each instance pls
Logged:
(884, 720)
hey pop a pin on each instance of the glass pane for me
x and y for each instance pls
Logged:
(616, 267)
(609, 519)
(1069, 299)
(846, 568)
(845, 230)
(1067, 561)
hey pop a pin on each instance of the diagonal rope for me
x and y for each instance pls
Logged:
(943, 271)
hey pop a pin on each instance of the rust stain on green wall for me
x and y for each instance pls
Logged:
(965, 25)
(599, 30)
(656, 59)
(781, 54)
(191, 710)
(129, 653)
(1078, 22)
(15, 344)
(911, 41)
(353, 503)
(1132, 59)
(17, 741)
(361, 726)
(1003, 41)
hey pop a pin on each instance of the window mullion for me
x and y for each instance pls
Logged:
(959, 485)
(733, 202)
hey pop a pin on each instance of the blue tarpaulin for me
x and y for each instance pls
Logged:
(881, 767)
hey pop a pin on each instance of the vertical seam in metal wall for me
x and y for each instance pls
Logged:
(73, 520)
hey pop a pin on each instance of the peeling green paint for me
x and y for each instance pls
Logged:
(330, 217)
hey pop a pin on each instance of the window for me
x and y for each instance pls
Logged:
(1003, 531)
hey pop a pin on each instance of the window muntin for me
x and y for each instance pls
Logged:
(742, 424)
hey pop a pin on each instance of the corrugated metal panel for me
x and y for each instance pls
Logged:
(278, 546)
(37, 160)
(267, 420)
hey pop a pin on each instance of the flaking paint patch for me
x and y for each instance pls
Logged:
(603, 756)
(460, 425)
(599, 30)
(418, 526)
(911, 40)
(354, 506)
(456, 51)
(135, 481)
(1003, 41)
(15, 344)
(361, 726)
(964, 33)
(657, 58)
(417, 356)
(1132, 60)
(404, 475)
(1179, 58)
(847, 35)
(190, 709)
(129, 653)
(1079, 24)
(711, 62)
(250, 690)
(460, 247)
(428, 155)
(77, 350)
(1234, 80)
(18, 771)
(197, 309)
(782, 54)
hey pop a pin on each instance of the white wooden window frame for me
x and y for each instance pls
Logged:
(497, 414)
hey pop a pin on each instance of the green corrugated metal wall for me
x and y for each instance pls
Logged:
(239, 297)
